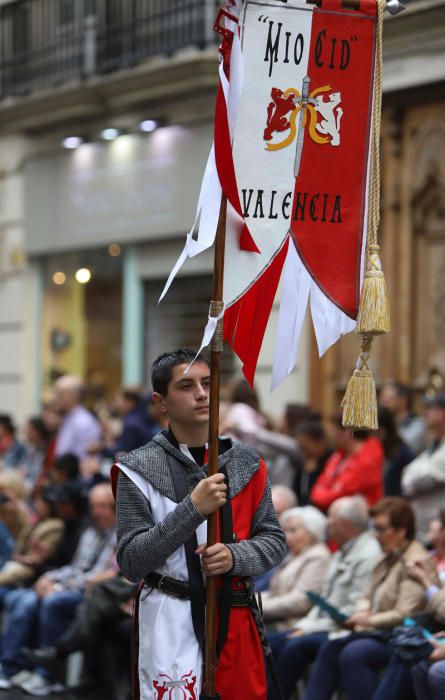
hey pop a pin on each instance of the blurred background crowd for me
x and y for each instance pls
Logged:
(364, 516)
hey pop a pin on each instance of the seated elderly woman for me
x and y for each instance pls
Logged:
(354, 661)
(303, 569)
(425, 679)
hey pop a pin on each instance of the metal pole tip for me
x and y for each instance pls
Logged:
(394, 7)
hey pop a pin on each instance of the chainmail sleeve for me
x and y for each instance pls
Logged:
(144, 545)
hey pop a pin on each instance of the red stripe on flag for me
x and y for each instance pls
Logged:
(226, 169)
(246, 241)
(251, 314)
(330, 190)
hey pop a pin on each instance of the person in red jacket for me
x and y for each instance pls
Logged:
(356, 467)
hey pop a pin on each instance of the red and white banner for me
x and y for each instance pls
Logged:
(291, 152)
(300, 152)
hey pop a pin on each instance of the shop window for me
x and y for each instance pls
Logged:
(82, 326)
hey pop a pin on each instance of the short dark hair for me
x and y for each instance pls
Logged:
(162, 368)
(68, 464)
(399, 512)
(6, 422)
(312, 429)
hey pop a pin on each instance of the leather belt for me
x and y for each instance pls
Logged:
(167, 584)
(180, 589)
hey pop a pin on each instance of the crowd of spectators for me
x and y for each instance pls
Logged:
(356, 607)
(60, 587)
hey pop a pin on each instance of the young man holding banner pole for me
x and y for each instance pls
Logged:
(163, 498)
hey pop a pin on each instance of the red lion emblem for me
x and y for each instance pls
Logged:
(277, 112)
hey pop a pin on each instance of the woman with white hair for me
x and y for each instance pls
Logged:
(303, 569)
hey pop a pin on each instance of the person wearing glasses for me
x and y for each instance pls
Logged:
(355, 660)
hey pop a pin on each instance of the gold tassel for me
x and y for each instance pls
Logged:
(374, 316)
(360, 401)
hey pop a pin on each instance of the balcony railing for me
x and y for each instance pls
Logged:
(49, 43)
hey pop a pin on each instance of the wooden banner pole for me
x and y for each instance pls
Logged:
(216, 347)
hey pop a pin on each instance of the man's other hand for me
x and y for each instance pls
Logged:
(210, 494)
(216, 560)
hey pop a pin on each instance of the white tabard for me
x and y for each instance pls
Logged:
(170, 659)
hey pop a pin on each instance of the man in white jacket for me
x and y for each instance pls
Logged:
(347, 578)
(423, 480)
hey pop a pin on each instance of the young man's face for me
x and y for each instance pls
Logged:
(187, 399)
